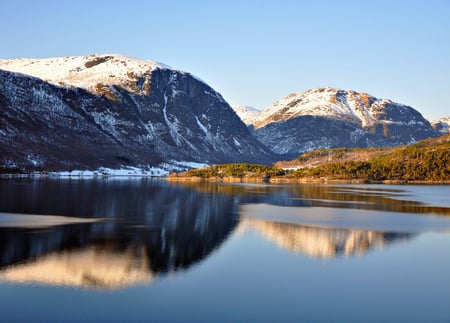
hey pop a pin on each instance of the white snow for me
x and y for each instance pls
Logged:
(85, 71)
(190, 164)
(103, 171)
(444, 124)
(245, 112)
(347, 106)
(204, 129)
(445, 119)
(161, 170)
(76, 71)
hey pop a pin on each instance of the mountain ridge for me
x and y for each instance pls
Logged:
(144, 117)
(346, 105)
(331, 118)
(83, 71)
(114, 111)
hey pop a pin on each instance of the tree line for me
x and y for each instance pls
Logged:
(424, 161)
(428, 160)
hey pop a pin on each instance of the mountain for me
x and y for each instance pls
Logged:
(329, 117)
(245, 112)
(442, 125)
(86, 112)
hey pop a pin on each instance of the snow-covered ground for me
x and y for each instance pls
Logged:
(129, 171)
(162, 170)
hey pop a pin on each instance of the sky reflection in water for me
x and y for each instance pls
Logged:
(145, 230)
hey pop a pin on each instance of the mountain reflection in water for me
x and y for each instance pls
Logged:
(318, 242)
(149, 228)
(88, 267)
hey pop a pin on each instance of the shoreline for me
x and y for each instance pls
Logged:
(228, 179)
(76, 176)
(282, 180)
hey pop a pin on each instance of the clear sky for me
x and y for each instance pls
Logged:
(255, 52)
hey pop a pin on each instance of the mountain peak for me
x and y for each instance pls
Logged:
(345, 105)
(245, 112)
(442, 125)
(113, 111)
(85, 72)
(331, 117)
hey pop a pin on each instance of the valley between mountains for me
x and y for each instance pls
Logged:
(88, 113)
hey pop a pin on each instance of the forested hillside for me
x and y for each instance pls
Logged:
(427, 160)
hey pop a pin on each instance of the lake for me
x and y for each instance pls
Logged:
(143, 250)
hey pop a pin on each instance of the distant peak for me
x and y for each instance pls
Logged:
(245, 112)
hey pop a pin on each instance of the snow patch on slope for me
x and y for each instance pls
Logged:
(202, 127)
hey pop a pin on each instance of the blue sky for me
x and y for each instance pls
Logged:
(255, 52)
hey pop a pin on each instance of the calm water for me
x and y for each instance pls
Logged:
(144, 250)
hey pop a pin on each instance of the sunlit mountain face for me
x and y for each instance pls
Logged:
(332, 118)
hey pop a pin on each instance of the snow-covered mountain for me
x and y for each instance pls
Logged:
(87, 71)
(245, 112)
(329, 117)
(442, 125)
(86, 112)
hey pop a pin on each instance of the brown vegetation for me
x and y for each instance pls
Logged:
(427, 161)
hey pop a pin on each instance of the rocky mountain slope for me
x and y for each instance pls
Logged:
(245, 112)
(114, 111)
(329, 117)
(442, 125)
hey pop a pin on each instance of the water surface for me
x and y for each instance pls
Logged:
(146, 250)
